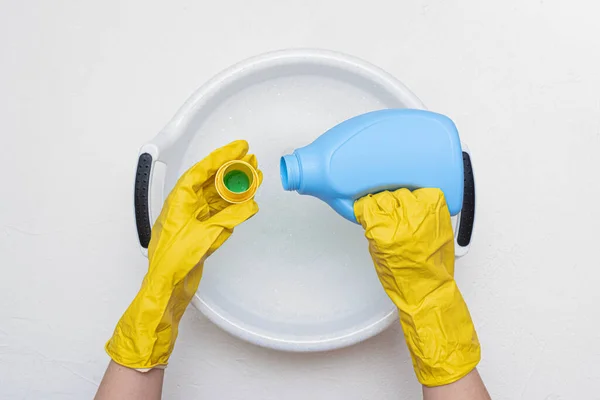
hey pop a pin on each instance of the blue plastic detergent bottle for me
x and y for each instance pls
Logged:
(377, 151)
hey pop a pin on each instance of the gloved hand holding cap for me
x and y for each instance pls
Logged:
(194, 222)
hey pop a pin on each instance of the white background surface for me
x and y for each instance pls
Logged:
(84, 84)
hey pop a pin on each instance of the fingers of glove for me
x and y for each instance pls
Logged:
(187, 195)
(233, 215)
(442, 235)
(364, 210)
(201, 238)
(380, 206)
(434, 204)
(401, 204)
(412, 221)
(430, 195)
(240, 213)
(435, 199)
(173, 217)
(193, 241)
(197, 175)
(204, 210)
(214, 200)
(179, 207)
(216, 205)
(251, 159)
(430, 227)
(391, 203)
(382, 215)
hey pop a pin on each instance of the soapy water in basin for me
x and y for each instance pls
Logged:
(296, 268)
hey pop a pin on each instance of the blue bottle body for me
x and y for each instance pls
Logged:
(380, 150)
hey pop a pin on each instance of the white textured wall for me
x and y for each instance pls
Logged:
(84, 84)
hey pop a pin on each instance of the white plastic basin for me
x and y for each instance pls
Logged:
(297, 276)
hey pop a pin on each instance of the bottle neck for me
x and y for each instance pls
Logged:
(289, 169)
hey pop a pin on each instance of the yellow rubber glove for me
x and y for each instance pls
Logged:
(412, 245)
(193, 223)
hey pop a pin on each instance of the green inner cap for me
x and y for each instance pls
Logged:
(236, 181)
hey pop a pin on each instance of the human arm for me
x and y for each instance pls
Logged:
(122, 383)
(470, 387)
(193, 223)
(412, 246)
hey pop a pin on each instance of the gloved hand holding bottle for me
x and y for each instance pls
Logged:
(193, 223)
(412, 245)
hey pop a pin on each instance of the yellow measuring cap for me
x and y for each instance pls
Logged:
(236, 181)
